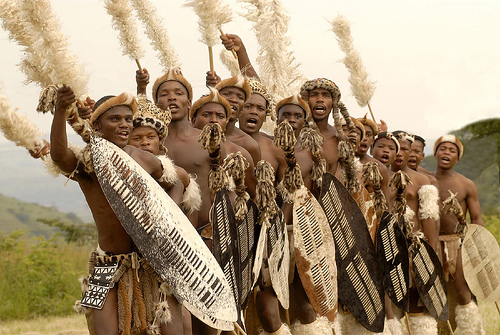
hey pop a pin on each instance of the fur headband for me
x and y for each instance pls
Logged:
(173, 74)
(152, 116)
(258, 88)
(403, 136)
(124, 99)
(388, 135)
(367, 122)
(295, 100)
(215, 97)
(451, 139)
(239, 81)
(358, 125)
(324, 83)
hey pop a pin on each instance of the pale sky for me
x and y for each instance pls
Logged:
(435, 63)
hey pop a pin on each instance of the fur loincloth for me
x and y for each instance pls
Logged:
(447, 251)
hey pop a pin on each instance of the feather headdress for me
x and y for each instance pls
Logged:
(157, 34)
(277, 66)
(361, 87)
(123, 21)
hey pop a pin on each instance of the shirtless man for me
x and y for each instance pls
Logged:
(323, 96)
(416, 156)
(113, 120)
(448, 150)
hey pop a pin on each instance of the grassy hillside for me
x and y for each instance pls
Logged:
(16, 215)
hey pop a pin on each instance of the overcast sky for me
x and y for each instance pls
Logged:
(435, 63)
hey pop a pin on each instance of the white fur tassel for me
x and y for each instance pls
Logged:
(162, 313)
(169, 174)
(155, 30)
(321, 326)
(191, 199)
(212, 15)
(352, 327)
(423, 325)
(361, 87)
(409, 215)
(393, 327)
(123, 21)
(283, 330)
(277, 66)
(468, 319)
(428, 196)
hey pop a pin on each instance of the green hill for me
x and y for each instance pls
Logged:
(481, 161)
(16, 215)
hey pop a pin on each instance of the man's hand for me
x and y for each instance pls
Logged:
(65, 97)
(231, 42)
(212, 79)
(142, 80)
(41, 149)
(85, 110)
(382, 126)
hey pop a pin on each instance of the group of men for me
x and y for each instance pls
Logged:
(163, 136)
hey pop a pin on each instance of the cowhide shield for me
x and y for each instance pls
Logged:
(481, 263)
(429, 279)
(164, 235)
(394, 261)
(247, 232)
(360, 284)
(367, 206)
(225, 243)
(315, 253)
(279, 258)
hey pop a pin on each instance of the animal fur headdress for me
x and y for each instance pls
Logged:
(152, 116)
(358, 124)
(173, 74)
(124, 99)
(451, 139)
(367, 122)
(214, 96)
(295, 100)
(384, 134)
(239, 81)
(324, 83)
(258, 88)
(403, 136)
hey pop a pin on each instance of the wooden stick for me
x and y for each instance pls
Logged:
(498, 308)
(287, 315)
(234, 52)
(449, 327)
(138, 64)
(408, 323)
(240, 331)
(371, 113)
(211, 59)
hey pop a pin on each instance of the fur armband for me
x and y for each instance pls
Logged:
(169, 174)
(428, 197)
(191, 199)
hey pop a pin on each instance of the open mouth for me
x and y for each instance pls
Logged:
(173, 107)
(320, 109)
(252, 121)
(123, 134)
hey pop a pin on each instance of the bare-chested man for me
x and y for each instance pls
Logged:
(112, 119)
(448, 150)
(417, 155)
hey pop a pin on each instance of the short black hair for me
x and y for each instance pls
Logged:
(419, 138)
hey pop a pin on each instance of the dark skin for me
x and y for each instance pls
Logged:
(448, 179)
(416, 156)
(384, 150)
(114, 125)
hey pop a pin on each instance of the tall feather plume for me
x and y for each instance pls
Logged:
(212, 15)
(157, 34)
(278, 68)
(227, 58)
(51, 46)
(361, 87)
(123, 21)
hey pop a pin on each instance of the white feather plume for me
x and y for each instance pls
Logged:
(227, 58)
(278, 68)
(156, 33)
(212, 15)
(361, 87)
(123, 21)
(51, 48)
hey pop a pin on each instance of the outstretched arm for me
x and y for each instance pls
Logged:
(234, 42)
(62, 156)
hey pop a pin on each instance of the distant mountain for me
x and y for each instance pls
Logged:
(481, 160)
(16, 214)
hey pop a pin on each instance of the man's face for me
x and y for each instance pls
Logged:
(253, 114)
(145, 138)
(115, 125)
(295, 115)
(416, 155)
(367, 141)
(321, 102)
(236, 98)
(173, 95)
(384, 150)
(209, 113)
(402, 156)
(446, 155)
